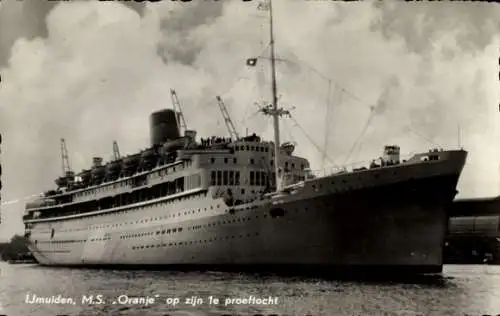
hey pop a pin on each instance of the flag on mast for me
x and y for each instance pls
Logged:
(252, 62)
(263, 6)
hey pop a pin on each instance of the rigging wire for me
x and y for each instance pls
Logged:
(240, 77)
(353, 96)
(327, 119)
(289, 131)
(361, 134)
(311, 140)
(423, 137)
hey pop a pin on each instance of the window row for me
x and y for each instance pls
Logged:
(260, 178)
(225, 177)
(158, 232)
(194, 242)
(252, 148)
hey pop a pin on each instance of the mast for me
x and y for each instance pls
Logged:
(274, 89)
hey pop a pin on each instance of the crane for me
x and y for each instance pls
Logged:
(227, 119)
(177, 108)
(68, 177)
(116, 150)
(66, 169)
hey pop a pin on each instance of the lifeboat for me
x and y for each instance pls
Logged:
(62, 182)
(40, 203)
(169, 149)
(86, 176)
(130, 164)
(113, 169)
(174, 145)
(98, 173)
(149, 158)
(50, 193)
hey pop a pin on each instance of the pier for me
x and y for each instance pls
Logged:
(473, 232)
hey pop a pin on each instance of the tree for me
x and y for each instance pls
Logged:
(16, 249)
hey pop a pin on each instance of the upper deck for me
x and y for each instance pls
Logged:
(243, 166)
(238, 170)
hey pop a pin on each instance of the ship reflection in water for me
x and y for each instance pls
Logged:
(48, 291)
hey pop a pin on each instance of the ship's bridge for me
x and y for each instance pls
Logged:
(246, 170)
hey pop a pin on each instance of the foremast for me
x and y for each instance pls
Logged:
(273, 109)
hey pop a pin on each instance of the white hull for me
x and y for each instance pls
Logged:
(346, 224)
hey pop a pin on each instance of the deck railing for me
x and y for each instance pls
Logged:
(334, 169)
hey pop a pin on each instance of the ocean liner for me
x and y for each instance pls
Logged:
(240, 202)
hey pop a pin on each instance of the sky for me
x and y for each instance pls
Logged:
(357, 76)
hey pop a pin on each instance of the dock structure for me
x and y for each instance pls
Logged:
(473, 231)
(0, 178)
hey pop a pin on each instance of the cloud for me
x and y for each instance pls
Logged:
(476, 24)
(100, 69)
(33, 14)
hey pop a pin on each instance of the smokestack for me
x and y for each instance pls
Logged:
(163, 127)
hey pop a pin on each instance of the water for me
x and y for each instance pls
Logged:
(471, 290)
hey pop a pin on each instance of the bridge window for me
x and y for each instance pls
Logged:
(212, 160)
(219, 178)
(251, 161)
(224, 177)
(213, 177)
(252, 179)
(234, 160)
(231, 177)
(226, 160)
(237, 178)
(257, 178)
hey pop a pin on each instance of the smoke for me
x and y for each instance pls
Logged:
(92, 72)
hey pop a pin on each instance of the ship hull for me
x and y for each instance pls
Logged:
(387, 220)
